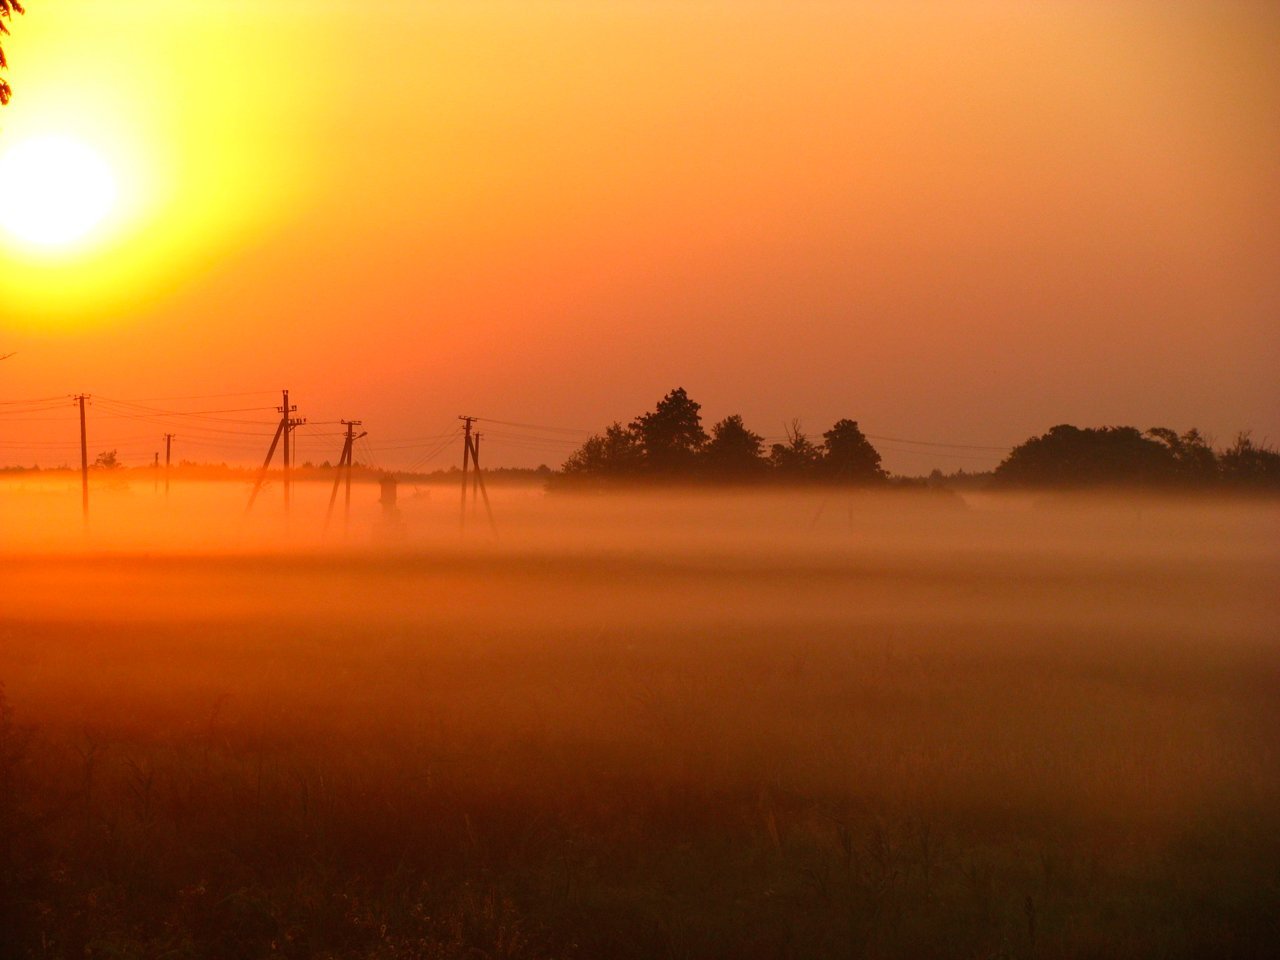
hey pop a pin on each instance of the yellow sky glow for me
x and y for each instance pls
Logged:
(168, 96)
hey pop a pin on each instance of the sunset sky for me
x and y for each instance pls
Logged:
(954, 222)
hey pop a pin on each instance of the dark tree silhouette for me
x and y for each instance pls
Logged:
(734, 453)
(849, 456)
(1069, 456)
(7, 9)
(796, 459)
(615, 454)
(1249, 465)
(1194, 459)
(671, 435)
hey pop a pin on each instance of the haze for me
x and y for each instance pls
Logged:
(881, 623)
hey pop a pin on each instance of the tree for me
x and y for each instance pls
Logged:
(614, 455)
(849, 456)
(671, 435)
(1195, 460)
(7, 9)
(796, 459)
(1069, 456)
(107, 460)
(734, 452)
(1247, 464)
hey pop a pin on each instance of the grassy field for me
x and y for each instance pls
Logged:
(710, 726)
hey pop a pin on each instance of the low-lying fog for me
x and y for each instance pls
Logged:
(787, 556)
(804, 555)
(692, 701)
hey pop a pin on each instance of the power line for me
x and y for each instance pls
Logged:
(942, 453)
(60, 398)
(179, 413)
(209, 396)
(936, 443)
(432, 455)
(535, 426)
(125, 409)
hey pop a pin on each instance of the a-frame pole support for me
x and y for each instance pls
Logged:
(266, 464)
(344, 472)
(474, 448)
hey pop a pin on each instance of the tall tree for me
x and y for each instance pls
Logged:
(7, 9)
(849, 456)
(671, 434)
(734, 453)
(798, 458)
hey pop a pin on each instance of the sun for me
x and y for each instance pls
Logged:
(54, 191)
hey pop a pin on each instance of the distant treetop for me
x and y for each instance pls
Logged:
(671, 435)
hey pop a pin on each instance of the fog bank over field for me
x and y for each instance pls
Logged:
(43, 512)
(780, 723)
(789, 557)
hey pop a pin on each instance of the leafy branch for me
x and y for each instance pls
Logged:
(7, 9)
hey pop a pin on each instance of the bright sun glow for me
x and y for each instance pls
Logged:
(54, 191)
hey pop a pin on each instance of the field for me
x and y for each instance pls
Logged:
(707, 725)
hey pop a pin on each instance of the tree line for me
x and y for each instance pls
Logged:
(670, 444)
(1069, 456)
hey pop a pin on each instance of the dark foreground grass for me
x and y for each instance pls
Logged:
(947, 763)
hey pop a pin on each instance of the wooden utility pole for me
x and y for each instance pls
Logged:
(344, 472)
(168, 456)
(283, 429)
(287, 420)
(351, 453)
(466, 459)
(479, 481)
(84, 460)
(155, 473)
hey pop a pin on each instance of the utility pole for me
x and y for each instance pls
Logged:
(344, 472)
(155, 473)
(351, 453)
(475, 476)
(84, 460)
(287, 420)
(286, 425)
(474, 447)
(168, 452)
(466, 459)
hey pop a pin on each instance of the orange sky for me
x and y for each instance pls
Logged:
(950, 221)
